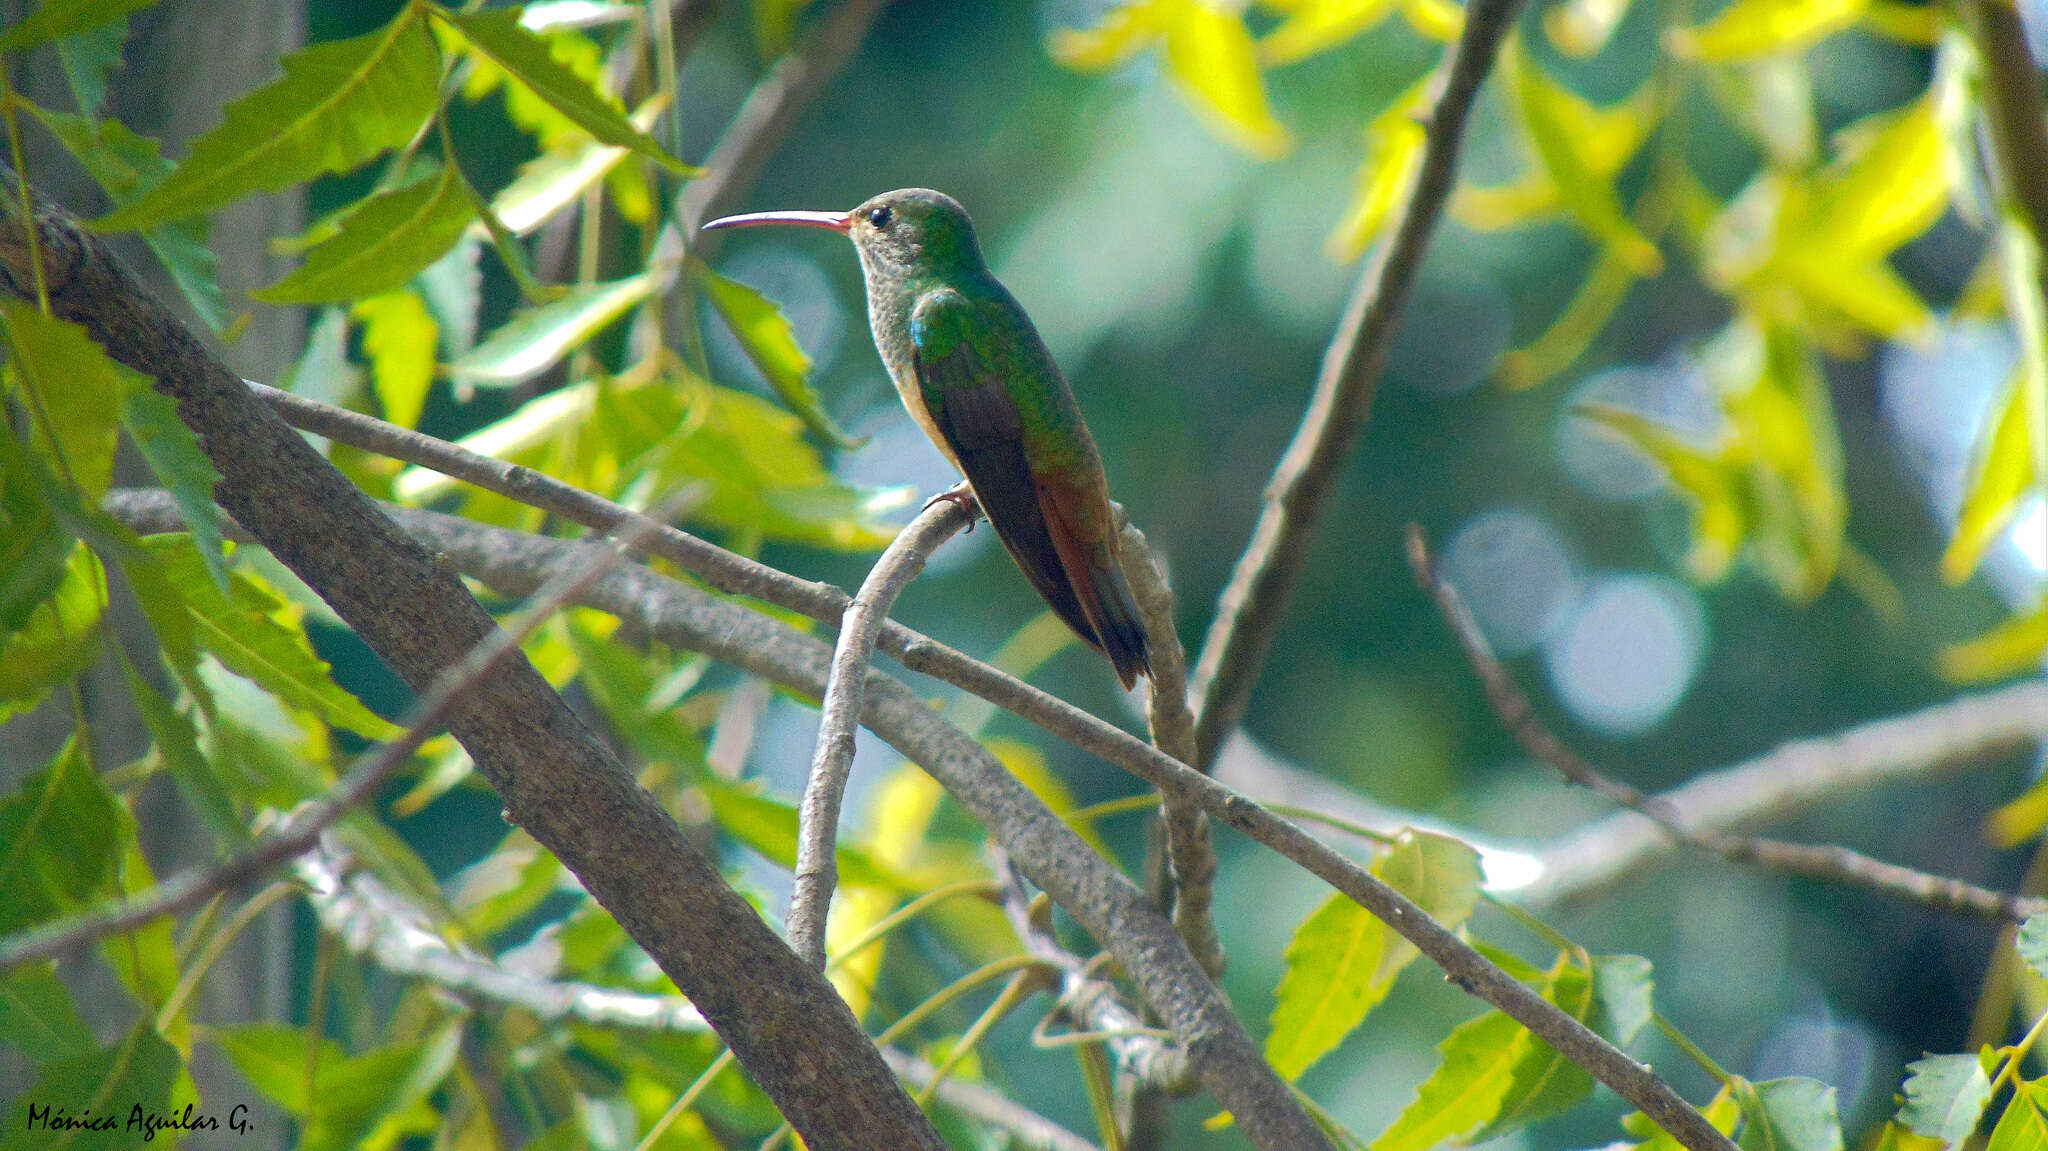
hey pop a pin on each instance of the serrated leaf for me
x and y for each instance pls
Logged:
(1466, 1091)
(257, 635)
(173, 453)
(1544, 1082)
(536, 339)
(60, 839)
(145, 958)
(2014, 646)
(89, 59)
(1945, 1096)
(55, 18)
(177, 743)
(72, 381)
(1721, 1113)
(340, 103)
(33, 549)
(1749, 28)
(552, 180)
(498, 35)
(59, 638)
(383, 243)
(2004, 472)
(2024, 1126)
(400, 338)
(38, 1018)
(140, 1071)
(769, 341)
(1791, 1114)
(1331, 983)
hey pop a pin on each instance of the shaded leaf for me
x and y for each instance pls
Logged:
(60, 839)
(769, 826)
(33, 548)
(498, 35)
(1624, 988)
(769, 341)
(2032, 943)
(400, 338)
(1946, 1095)
(536, 339)
(38, 1018)
(340, 103)
(177, 743)
(1721, 1112)
(89, 59)
(100, 1087)
(173, 453)
(55, 18)
(59, 638)
(1792, 1114)
(383, 243)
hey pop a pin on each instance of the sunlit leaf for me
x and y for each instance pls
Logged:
(2024, 1125)
(1722, 1113)
(769, 341)
(59, 638)
(400, 338)
(1946, 1095)
(1393, 155)
(55, 18)
(173, 453)
(2004, 473)
(1749, 28)
(497, 34)
(382, 244)
(1704, 477)
(2016, 645)
(1209, 55)
(769, 826)
(1561, 126)
(1544, 1082)
(72, 389)
(1028, 764)
(257, 635)
(1581, 28)
(2020, 819)
(1314, 25)
(1465, 1092)
(1124, 32)
(340, 103)
(536, 339)
(125, 165)
(1331, 983)
(554, 179)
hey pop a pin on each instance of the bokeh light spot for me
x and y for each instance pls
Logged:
(1514, 574)
(1627, 653)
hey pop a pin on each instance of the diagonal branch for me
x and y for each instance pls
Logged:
(1828, 862)
(1249, 611)
(817, 871)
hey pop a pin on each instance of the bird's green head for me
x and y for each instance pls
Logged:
(905, 233)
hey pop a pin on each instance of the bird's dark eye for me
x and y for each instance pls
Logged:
(880, 217)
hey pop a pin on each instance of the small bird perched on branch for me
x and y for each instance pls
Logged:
(978, 379)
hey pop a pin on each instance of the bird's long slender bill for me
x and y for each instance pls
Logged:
(836, 221)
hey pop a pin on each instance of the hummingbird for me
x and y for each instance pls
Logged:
(976, 376)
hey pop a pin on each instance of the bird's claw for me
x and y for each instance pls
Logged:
(960, 495)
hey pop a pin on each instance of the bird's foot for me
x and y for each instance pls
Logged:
(962, 496)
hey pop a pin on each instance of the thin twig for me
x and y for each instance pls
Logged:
(1828, 862)
(817, 870)
(300, 831)
(1189, 879)
(1249, 611)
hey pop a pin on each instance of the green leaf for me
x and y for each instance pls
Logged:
(59, 638)
(498, 35)
(2004, 472)
(356, 1098)
(1750, 28)
(125, 165)
(2014, 646)
(173, 453)
(536, 339)
(2032, 943)
(33, 548)
(1624, 988)
(1946, 1096)
(71, 379)
(1544, 1082)
(177, 743)
(61, 837)
(38, 1018)
(1792, 1114)
(766, 336)
(769, 826)
(1555, 119)
(506, 885)
(272, 1057)
(1466, 1091)
(145, 958)
(88, 59)
(340, 103)
(400, 337)
(106, 1085)
(382, 244)
(1330, 984)
(1721, 1113)
(2024, 1126)
(1705, 478)
(257, 635)
(56, 18)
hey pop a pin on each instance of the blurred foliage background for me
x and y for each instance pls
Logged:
(1699, 378)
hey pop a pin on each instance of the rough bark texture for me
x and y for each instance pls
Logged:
(789, 1029)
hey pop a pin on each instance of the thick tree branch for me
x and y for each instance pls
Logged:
(817, 871)
(1249, 611)
(1838, 864)
(787, 1025)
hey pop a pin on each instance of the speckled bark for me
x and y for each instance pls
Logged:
(789, 1029)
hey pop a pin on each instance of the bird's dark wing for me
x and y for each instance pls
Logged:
(972, 407)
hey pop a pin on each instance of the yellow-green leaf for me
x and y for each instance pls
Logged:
(1558, 123)
(552, 180)
(340, 103)
(2004, 473)
(1312, 26)
(2014, 646)
(1748, 28)
(1704, 477)
(1123, 33)
(400, 337)
(769, 341)
(383, 243)
(1209, 54)
(498, 35)
(1393, 155)
(256, 634)
(58, 640)
(1581, 28)
(2024, 1126)
(73, 391)
(536, 339)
